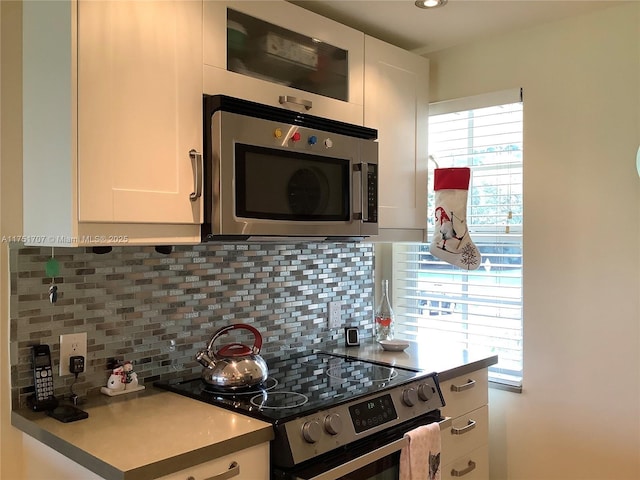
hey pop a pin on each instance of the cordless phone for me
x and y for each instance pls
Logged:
(43, 398)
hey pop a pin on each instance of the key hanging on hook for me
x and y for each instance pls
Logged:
(52, 269)
(53, 293)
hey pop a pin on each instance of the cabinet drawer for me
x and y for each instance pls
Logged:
(465, 393)
(466, 433)
(249, 464)
(473, 466)
(220, 81)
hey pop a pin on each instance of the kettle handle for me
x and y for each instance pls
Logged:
(257, 342)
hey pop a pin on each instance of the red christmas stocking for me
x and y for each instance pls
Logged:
(451, 241)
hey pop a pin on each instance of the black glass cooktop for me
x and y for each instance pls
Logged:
(299, 385)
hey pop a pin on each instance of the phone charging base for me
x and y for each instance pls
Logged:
(67, 413)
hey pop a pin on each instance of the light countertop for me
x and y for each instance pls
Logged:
(164, 433)
(446, 362)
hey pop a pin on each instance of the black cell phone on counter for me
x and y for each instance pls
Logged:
(42, 399)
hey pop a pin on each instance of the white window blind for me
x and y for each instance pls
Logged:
(477, 312)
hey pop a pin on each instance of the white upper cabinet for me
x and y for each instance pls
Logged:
(139, 110)
(396, 104)
(279, 54)
(112, 109)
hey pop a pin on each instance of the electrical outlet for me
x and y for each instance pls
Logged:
(335, 314)
(73, 344)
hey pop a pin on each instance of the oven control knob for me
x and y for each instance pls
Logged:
(328, 143)
(312, 140)
(296, 137)
(425, 392)
(311, 431)
(333, 424)
(410, 397)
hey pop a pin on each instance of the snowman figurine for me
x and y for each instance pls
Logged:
(130, 378)
(115, 381)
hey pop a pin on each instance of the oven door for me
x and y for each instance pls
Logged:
(381, 464)
(377, 457)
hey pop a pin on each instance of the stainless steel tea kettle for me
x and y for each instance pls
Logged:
(236, 365)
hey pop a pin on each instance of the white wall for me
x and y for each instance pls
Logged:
(579, 414)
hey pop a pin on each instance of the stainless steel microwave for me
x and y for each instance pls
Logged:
(272, 172)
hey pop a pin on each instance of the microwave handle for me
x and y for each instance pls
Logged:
(360, 191)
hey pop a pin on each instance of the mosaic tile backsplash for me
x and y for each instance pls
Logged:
(157, 310)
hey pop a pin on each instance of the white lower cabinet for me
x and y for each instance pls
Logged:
(465, 444)
(249, 464)
(39, 461)
(252, 463)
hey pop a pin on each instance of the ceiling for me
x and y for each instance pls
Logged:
(401, 23)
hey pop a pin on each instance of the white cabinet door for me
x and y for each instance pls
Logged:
(249, 464)
(139, 110)
(396, 104)
(112, 95)
(299, 31)
(41, 461)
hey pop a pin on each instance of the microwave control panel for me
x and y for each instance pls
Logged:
(372, 194)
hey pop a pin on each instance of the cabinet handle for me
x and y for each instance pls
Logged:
(471, 466)
(460, 431)
(307, 104)
(197, 174)
(461, 388)
(232, 471)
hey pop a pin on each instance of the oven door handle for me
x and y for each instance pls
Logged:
(362, 461)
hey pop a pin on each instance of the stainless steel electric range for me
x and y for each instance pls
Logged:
(333, 416)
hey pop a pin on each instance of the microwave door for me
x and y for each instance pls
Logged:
(293, 193)
(261, 184)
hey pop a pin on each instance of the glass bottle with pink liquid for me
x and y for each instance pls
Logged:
(384, 317)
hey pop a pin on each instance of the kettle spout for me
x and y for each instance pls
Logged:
(205, 360)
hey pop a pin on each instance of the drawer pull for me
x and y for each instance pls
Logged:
(460, 431)
(461, 388)
(307, 104)
(471, 466)
(232, 471)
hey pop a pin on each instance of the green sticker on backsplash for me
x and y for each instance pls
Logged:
(52, 268)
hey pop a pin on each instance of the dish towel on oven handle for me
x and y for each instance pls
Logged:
(420, 457)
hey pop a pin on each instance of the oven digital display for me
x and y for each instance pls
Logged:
(372, 413)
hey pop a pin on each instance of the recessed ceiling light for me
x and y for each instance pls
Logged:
(430, 3)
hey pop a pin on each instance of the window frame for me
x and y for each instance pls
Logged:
(387, 257)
